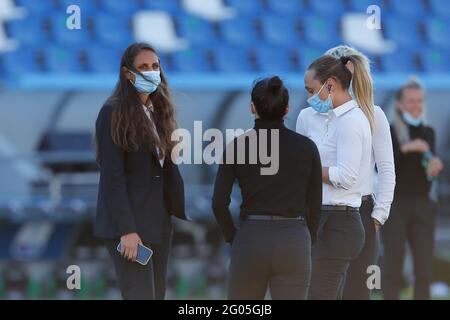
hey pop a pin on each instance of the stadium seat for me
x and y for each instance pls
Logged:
(280, 30)
(64, 36)
(112, 30)
(399, 61)
(101, 59)
(169, 6)
(247, 7)
(197, 30)
(232, 59)
(61, 60)
(20, 61)
(438, 31)
(240, 31)
(434, 60)
(331, 8)
(440, 7)
(121, 7)
(163, 35)
(404, 31)
(287, 7)
(272, 59)
(34, 7)
(414, 8)
(9, 10)
(306, 54)
(362, 5)
(192, 60)
(88, 7)
(29, 31)
(321, 31)
(213, 10)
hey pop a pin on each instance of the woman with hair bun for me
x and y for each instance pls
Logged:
(279, 212)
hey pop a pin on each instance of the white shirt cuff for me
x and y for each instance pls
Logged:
(333, 176)
(379, 215)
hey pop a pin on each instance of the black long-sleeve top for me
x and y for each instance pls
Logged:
(411, 174)
(296, 189)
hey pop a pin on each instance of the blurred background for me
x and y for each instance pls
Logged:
(54, 80)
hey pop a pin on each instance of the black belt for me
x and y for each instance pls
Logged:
(272, 218)
(347, 209)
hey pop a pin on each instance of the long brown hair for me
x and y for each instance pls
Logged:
(130, 127)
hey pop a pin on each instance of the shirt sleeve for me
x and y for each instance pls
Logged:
(349, 145)
(222, 197)
(384, 161)
(300, 126)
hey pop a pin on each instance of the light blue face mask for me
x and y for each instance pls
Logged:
(143, 85)
(318, 104)
(409, 119)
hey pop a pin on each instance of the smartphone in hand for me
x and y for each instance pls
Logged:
(143, 256)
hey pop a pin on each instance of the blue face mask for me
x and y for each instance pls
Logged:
(143, 85)
(409, 119)
(318, 104)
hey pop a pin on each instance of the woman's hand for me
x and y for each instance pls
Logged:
(416, 145)
(130, 244)
(377, 224)
(435, 166)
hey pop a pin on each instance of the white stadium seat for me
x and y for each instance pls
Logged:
(211, 10)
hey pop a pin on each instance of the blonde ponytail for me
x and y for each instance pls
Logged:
(362, 85)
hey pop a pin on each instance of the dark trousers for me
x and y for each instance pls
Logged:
(340, 240)
(412, 220)
(355, 286)
(274, 254)
(138, 282)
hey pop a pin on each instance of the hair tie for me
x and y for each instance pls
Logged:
(345, 60)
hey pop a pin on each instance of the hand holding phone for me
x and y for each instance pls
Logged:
(143, 253)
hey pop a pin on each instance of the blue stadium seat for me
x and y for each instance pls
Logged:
(232, 59)
(272, 59)
(362, 5)
(307, 54)
(37, 7)
(198, 31)
(409, 9)
(321, 31)
(405, 32)
(399, 61)
(434, 60)
(121, 7)
(438, 32)
(170, 6)
(333, 8)
(87, 7)
(440, 7)
(280, 30)
(29, 31)
(192, 60)
(20, 61)
(247, 7)
(64, 36)
(62, 60)
(101, 59)
(240, 31)
(113, 30)
(287, 7)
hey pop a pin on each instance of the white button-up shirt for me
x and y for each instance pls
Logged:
(150, 116)
(345, 148)
(314, 125)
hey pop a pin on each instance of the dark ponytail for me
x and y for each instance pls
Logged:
(270, 98)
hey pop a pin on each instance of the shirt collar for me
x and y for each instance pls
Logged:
(343, 108)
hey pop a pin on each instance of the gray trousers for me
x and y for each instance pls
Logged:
(270, 254)
(340, 239)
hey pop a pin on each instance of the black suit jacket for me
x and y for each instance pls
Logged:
(134, 190)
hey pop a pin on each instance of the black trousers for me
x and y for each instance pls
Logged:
(355, 286)
(270, 254)
(412, 220)
(340, 240)
(138, 282)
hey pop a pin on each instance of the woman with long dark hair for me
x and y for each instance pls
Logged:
(140, 187)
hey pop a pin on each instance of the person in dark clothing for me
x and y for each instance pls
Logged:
(413, 213)
(280, 211)
(140, 187)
